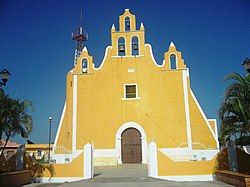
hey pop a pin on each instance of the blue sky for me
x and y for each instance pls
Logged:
(36, 45)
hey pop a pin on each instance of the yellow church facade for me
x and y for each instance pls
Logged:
(133, 110)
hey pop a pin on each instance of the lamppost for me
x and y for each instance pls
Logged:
(50, 121)
(4, 76)
(246, 64)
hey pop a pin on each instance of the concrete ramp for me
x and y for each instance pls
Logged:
(121, 171)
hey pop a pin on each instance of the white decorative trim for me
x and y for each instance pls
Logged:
(141, 26)
(136, 98)
(186, 104)
(152, 160)
(75, 58)
(104, 58)
(202, 113)
(216, 132)
(61, 179)
(143, 140)
(105, 153)
(74, 115)
(187, 72)
(171, 44)
(163, 62)
(88, 161)
(188, 177)
(152, 56)
(85, 49)
(59, 128)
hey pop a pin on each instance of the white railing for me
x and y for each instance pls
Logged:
(61, 150)
(196, 145)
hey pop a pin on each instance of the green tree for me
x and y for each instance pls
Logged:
(38, 167)
(234, 112)
(14, 117)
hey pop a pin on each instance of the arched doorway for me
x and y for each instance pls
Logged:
(131, 148)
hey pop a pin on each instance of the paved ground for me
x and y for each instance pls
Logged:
(121, 171)
(128, 176)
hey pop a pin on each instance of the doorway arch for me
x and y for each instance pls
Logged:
(118, 141)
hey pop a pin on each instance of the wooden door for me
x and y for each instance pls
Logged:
(131, 146)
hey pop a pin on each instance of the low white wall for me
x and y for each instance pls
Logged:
(87, 165)
(171, 152)
(88, 161)
(152, 160)
(208, 154)
(105, 153)
(65, 158)
(175, 151)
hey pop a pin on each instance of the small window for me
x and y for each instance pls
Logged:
(121, 46)
(39, 152)
(84, 65)
(127, 23)
(135, 46)
(173, 61)
(130, 91)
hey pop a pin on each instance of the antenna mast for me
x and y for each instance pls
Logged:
(80, 36)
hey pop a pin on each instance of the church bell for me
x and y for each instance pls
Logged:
(135, 47)
(121, 48)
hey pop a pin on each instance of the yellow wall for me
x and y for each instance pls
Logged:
(213, 124)
(73, 169)
(65, 135)
(167, 167)
(101, 109)
(199, 128)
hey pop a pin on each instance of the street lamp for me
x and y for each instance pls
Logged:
(246, 64)
(4, 74)
(50, 121)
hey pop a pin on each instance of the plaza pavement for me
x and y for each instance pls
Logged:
(128, 176)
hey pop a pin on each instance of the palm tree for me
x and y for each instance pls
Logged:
(4, 102)
(14, 117)
(37, 167)
(234, 112)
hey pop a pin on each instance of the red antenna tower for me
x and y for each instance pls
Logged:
(80, 36)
